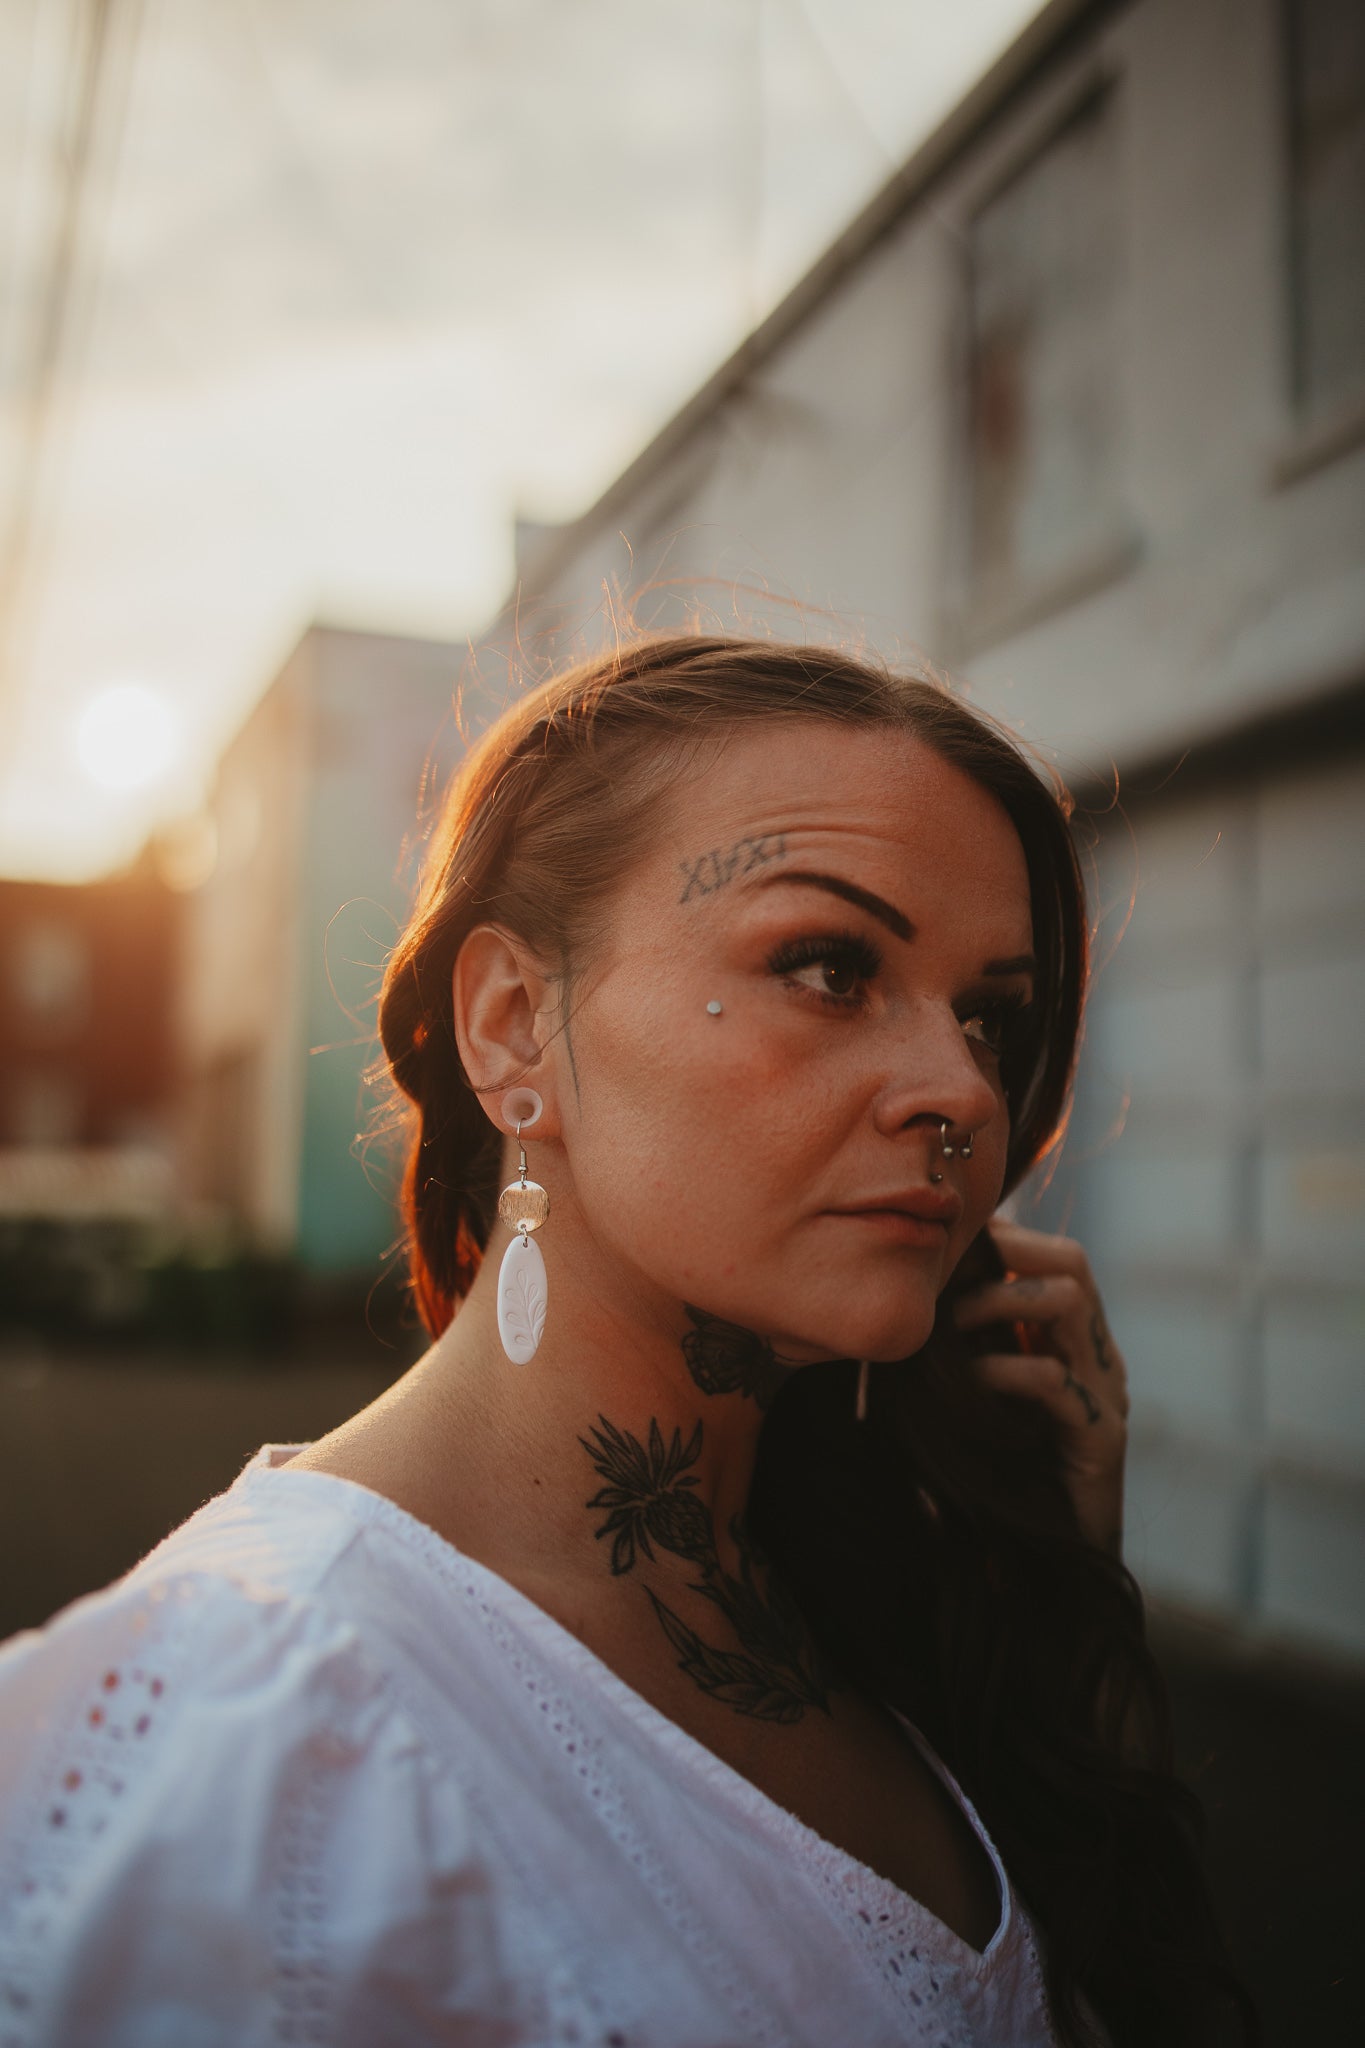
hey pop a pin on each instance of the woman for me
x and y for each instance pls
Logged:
(615, 1678)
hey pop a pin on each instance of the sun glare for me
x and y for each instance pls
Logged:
(128, 737)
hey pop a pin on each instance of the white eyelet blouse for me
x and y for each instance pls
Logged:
(309, 1775)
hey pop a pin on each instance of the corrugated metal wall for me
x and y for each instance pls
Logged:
(1216, 1173)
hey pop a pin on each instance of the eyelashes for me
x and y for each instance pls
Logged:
(1005, 1015)
(851, 960)
(844, 955)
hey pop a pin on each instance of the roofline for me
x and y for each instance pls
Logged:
(1011, 73)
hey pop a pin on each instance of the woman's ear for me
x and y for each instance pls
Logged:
(503, 1003)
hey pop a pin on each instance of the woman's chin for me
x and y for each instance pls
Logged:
(881, 1340)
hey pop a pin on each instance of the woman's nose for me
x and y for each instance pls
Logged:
(935, 1072)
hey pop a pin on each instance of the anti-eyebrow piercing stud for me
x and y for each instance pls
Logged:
(714, 1007)
(523, 1206)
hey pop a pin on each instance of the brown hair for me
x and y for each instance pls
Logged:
(934, 1552)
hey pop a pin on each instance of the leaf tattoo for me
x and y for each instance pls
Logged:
(735, 1680)
(650, 1499)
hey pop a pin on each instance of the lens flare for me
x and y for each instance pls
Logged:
(128, 738)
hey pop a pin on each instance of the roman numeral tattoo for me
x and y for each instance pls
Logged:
(709, 872)
(650, 1498)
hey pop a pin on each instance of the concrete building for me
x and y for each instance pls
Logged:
(1077, 406)
(310, 862)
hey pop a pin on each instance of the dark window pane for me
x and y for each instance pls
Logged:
(1043, 347)
(1327, 115)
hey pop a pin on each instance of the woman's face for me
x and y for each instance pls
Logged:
(854, 904)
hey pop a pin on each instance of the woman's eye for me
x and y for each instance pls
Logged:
(833, 969)
(990, 1032)
(839, 975)
(996, 1021)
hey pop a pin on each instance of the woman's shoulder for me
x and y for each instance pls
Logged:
(231, 1602)
(204, 1772)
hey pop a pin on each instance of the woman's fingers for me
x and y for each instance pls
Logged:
(1070, 1363)
(1038, 1251)
(1093, 1437)
(1032, 1298)
(1046, 1379)
(1052, 1285)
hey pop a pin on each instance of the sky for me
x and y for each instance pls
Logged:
(350, 287)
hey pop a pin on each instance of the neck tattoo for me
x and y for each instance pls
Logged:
(649, 1498)
(725, 1358)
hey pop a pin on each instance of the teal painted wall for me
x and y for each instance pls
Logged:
(382, 707)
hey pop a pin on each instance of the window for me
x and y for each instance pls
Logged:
(1045, 501)
(1327, 203)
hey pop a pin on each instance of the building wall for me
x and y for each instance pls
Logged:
(241, 1015)
(385, 727)
(317, 814)
(1187, 520)
(87, 1037)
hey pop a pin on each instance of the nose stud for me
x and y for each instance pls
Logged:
(714, 1007)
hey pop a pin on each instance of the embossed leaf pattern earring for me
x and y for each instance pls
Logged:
(523, 1206)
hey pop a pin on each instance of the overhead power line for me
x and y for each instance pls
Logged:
(93, 31)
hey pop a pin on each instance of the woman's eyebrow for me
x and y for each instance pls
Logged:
(886, 913)
(835, 885)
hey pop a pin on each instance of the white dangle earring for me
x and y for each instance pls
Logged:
(523, 1206)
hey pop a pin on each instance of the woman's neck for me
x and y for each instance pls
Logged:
(610, 1476)
(658, 1403)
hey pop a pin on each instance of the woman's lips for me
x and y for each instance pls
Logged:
(898, 1223)
(920, 1202)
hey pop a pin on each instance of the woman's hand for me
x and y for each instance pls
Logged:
(1071, 1364)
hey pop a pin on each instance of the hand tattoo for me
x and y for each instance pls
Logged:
(1088, 1401)
(776, 1673)
(725, 1358)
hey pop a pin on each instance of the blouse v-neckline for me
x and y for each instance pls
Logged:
(859, 1878)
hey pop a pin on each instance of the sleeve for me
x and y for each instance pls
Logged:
(217, 1828)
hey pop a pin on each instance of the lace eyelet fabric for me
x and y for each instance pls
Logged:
(95, 1755)
(920, 1993)
(581, 2008)
(310, 1775)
